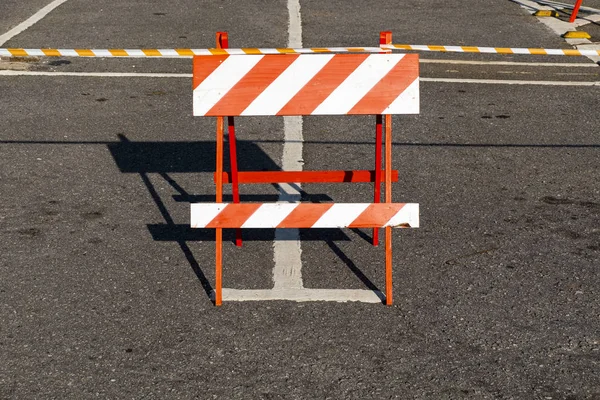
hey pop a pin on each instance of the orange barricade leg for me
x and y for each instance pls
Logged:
(221, 40)
(575, 11)
(219, 199)
(388, 199)
(385, 37)
(378, 146)
(234, 172)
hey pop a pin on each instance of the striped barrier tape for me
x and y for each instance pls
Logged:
(323, 84)
(304, 215)
(493, 50)
(173, 53)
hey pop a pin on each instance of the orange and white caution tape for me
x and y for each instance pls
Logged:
(304, 215)
(174, 53)
(323, 84)
(493, 50)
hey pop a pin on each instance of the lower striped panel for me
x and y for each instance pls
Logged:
(304, 215)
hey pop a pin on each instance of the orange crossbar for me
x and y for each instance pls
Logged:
(304, 176)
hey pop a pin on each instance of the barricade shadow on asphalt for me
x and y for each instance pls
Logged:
(162, 158)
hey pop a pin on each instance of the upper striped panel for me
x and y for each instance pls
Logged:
(302, 84)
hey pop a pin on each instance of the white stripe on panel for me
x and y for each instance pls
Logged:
(221, 80)
(340, 215)
(287, 85)
(202, 214)
(407, 102)
(357, 84)
(409, 214)
(269, 215)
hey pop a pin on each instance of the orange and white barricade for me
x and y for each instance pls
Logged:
(227, 86)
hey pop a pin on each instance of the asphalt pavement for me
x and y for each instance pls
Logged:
(105, 290)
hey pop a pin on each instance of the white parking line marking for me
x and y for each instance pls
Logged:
(510, 82)
(95, 74)
(287, 272)
(300, 295)
(293, 147)
(30, 21)
(513, 63)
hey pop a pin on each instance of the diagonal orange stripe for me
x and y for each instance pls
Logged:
(376, 215)
(322, 84)
(504, 50)
(203, 66)
(233, 215)
(305, 215)
(252, 85)
(389, 87)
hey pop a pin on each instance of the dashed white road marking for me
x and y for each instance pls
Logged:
(30, 21)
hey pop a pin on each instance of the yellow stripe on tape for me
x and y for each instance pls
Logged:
(152, 52)
(251, 51)
(218, 52)
(538, 52)
(570, 52)
(470, 49)
(503, 50)
(85, 52)
(118, 52)
(18, 52)
(286, 51)
(51, 52)
(436, 48)
(320, 49)
(185, 52)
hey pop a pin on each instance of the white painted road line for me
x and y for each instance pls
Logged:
(30, 21)
(510, 82)
(95, 74)
(287, 272)
(300, 295)
(292, 158)
(512, 63)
